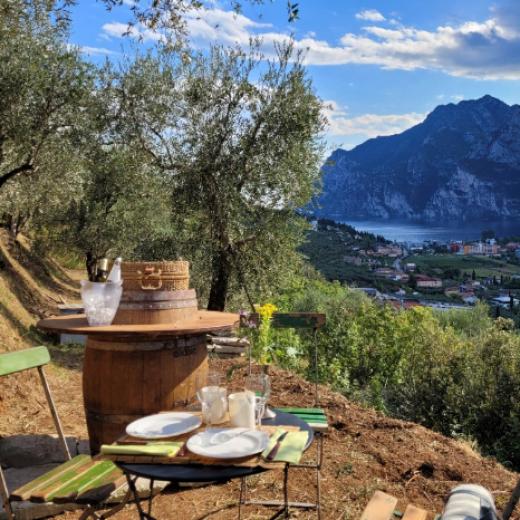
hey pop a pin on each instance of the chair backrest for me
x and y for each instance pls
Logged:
(20, 360)
(291, 320)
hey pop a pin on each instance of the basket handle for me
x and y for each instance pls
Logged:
(150, 275)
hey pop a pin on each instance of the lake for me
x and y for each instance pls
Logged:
(418, 232)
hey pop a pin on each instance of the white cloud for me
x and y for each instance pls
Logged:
(483, 50)
(97, 51)
(118, 30)
(369, 125)
(371, 15)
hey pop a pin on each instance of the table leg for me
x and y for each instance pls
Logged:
(142, 514)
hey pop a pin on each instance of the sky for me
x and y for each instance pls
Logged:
(380, 66)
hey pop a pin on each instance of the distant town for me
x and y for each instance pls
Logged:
(455, 274)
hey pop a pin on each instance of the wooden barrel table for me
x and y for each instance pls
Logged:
(133, 370)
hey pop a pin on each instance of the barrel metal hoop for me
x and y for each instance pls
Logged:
(179, 348)
(140, 296)
(124, 305)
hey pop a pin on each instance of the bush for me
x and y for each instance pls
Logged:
(457, 372)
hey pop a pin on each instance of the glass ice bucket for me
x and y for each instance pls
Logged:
(100, 301)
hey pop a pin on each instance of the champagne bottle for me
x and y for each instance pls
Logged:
(102, 270)
(115, 272)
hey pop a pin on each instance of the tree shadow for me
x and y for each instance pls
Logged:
(31, 333)
(43, 269)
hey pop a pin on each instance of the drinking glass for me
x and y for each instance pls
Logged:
(213, 400)
(260, 385)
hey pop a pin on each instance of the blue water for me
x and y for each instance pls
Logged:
(418, 232)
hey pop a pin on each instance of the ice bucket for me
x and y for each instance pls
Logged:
(101, 301)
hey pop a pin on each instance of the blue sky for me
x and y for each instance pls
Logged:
(380, 65)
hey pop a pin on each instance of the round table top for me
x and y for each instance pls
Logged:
(201, 323)
(194, 473)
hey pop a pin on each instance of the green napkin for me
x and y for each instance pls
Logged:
(162, 449)
(291, 447)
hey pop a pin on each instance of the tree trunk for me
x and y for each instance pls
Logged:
(220, 281)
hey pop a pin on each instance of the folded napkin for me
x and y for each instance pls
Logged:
(162, 449)
(290, 448)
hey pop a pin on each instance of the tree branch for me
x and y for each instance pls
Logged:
(27, 166)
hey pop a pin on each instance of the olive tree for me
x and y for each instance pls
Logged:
(43, 84)
(238, 136)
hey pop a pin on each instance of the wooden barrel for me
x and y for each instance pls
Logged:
(124, 380)
(148, 308)
(155, 292)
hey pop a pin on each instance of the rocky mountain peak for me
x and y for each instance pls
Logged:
(461, 162)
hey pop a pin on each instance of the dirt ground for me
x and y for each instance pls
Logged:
(364, 450)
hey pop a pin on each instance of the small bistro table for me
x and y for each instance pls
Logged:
(177, 473)
(135, 370)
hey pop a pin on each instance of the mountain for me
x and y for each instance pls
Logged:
(461, 163)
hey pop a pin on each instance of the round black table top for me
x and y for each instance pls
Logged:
(200, 473)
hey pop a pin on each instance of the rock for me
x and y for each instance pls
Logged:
(19, 451)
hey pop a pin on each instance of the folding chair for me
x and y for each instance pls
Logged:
(82, 479)
(315, 417)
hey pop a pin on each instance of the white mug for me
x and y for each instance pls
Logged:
(242, 409)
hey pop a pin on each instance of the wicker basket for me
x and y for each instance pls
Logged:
(156, 276)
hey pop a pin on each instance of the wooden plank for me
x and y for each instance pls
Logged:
(12, 362)
(414, 513)
(380, 507)
(102, 490)
(69, 490)
(312, 418)
(288, 409)
(319, 427)
(298, 320)
(290, 320)
(41, 494)
(25, 491)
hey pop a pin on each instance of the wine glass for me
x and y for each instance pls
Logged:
(260, 385)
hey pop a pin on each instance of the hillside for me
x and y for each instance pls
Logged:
(461, 163)
(364, 451)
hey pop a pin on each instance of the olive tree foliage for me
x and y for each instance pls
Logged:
(168, 17)
(118, 201)
(237, 135)
(43, 84)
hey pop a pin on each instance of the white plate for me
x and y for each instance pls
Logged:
(238, 442)
(162, 425)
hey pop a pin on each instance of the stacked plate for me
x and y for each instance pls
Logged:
(216, 443)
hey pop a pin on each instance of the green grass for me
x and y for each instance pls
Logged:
(483, 266)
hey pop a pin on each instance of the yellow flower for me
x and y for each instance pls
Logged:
(267, 310)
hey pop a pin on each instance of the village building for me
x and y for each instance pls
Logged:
(427, 282)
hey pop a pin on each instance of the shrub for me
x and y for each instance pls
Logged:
(457, 372)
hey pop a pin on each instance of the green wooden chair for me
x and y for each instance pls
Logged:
(81, 479)
(315, 416)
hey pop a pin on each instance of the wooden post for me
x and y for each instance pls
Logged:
(4, 492)
(54, 413)
(510, 507)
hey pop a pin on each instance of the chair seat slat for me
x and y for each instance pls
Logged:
(69, 490)
(103, 488)
(24, 492)
(43, 492)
